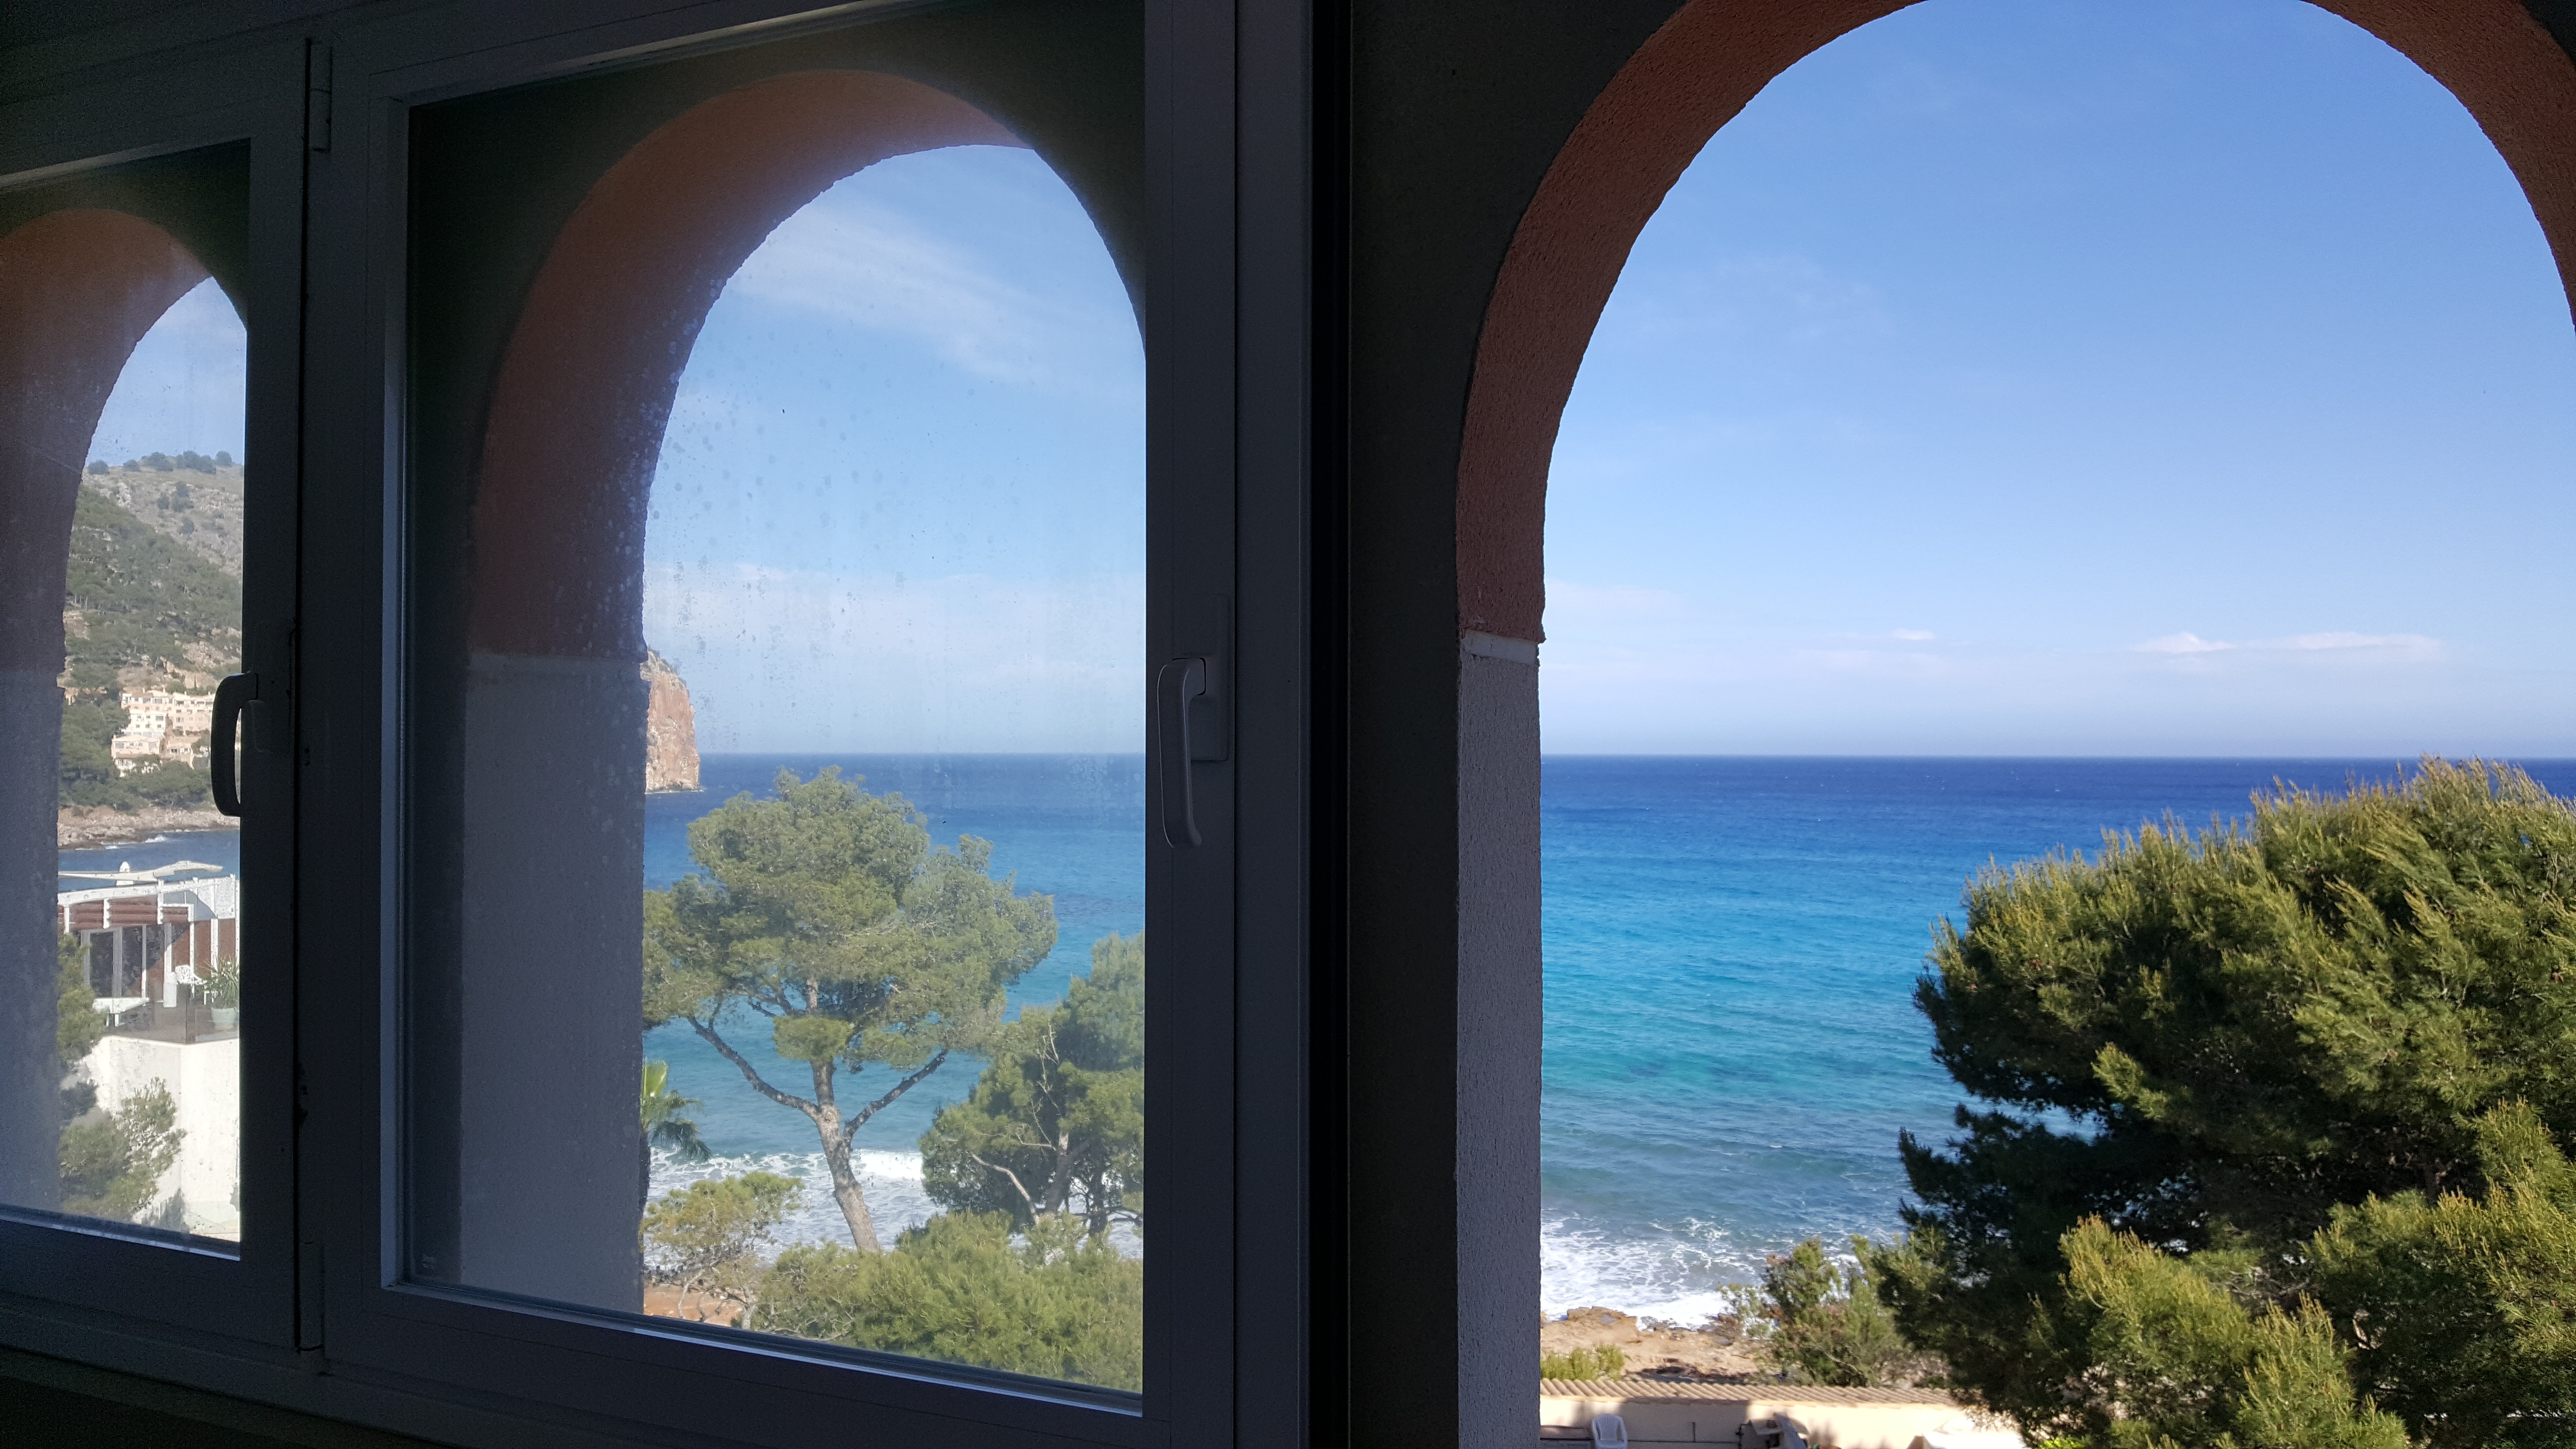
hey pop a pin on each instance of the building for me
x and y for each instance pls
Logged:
(151, 933)
(161, 724)
(154, 944)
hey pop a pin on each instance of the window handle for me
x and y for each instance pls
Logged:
(1181, 682)
(236, 691)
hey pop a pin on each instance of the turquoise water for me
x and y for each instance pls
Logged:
(1731, 946)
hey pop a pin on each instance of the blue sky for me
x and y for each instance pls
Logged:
(2013, 376)
(181, 389)
(900, 504)
(2136, 378)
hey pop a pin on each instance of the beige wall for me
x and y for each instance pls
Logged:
(1714, 1421)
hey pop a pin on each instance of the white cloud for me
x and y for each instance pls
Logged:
(1912, 636)
(860, 263)
(2181, 644)
(793, 661)
(2407, 646)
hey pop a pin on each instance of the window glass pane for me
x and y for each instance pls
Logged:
(787, 973)
(121, 529)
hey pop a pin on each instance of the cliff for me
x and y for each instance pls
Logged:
(670, 729)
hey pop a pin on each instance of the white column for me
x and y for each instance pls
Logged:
(1500, 1013)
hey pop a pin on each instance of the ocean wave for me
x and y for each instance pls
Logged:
(891, 1181)
(1678, 1272)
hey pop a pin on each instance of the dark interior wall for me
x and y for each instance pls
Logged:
(1456, 111)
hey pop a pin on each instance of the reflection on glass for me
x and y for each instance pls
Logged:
(122, 502)
(889, 1088)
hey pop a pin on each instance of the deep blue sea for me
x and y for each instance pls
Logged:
(1731, 945)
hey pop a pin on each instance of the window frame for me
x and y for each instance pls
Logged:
(168, 107)
(329, 1326)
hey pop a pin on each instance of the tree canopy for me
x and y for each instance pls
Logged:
(1055, 1302)
(824, 919)
(2290, 1061)
(1057, 1122)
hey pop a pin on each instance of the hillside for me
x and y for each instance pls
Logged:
(138, 599)
(199, 508)
(152, 599)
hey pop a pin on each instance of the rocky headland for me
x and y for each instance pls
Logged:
(670, 729)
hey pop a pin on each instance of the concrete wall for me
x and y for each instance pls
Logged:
(205, 1079)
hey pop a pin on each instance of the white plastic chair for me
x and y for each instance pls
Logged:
(1610, 1431)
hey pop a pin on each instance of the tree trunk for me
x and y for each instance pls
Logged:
(836, 1156)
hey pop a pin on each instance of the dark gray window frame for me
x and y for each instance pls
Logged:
(309, 1317)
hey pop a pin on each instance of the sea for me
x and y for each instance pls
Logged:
(1731, 945)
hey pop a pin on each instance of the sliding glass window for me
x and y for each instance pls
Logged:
(124, 948)
(777, 697)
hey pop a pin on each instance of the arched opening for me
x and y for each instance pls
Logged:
(810, 588)
(104, 608)
(1695, 73)
(1490, 528)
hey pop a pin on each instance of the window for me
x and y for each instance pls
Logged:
(144, 924)
(824, 701)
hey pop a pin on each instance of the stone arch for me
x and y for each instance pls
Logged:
(78, 289)
(586, 384)
(1691, 77)
(535, 1040)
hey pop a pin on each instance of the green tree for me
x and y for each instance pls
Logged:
(705, 1239)
(1059, 1303)
(1820, 1322)
(2464, 1307)
(1056, 1123)
(2170, 1357)
(88, 770)
(2219, 1045)
(78, 1023)
(144, 597)
(659, 1107)
(112, 1162)
(824, 913)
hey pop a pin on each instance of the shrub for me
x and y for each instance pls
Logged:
(1820, 1322)
(706, 1238)
(112, 1161)
(1604, 1361)
(961, 1289)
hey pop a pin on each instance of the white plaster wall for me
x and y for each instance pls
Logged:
(553, 997)
(205, 1079)
(1500, 991)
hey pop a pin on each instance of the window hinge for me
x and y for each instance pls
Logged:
(317, 97)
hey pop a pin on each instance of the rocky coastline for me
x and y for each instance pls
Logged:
(79, 828)
(1713, 1353)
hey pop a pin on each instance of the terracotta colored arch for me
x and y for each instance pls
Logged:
(585, 387)
(1691, 77)
(78, 288)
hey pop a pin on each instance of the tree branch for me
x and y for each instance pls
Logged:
(1016, 1185)
(751, 1074)
(897, 1090)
